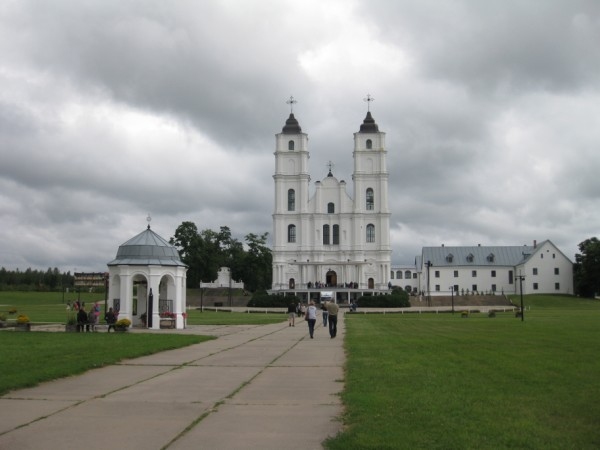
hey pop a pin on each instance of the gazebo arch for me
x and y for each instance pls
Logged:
(146, 275)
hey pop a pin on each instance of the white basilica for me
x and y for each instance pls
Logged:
(327, 239)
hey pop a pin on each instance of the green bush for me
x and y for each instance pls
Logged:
(261, 299)
(397, 299)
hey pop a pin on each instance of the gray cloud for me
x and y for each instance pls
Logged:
(113, 110)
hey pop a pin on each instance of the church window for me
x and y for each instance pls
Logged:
(330, 208)
(392, 274)
(370, 233)
(291, 233)
(370, 199)
(369, 144)
(407, 274)
(399, 274)
(291, 200)
(325, 234)
(336, 235)
(291, 145)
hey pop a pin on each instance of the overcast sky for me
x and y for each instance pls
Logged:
(111, 110)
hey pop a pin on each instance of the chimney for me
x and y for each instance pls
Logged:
(534, 243)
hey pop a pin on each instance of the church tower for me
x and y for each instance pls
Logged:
(329, 240)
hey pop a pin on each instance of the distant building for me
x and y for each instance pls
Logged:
(495, 269)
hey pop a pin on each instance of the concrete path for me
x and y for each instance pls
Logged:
(255, 387)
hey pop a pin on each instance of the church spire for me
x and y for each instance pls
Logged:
(369, 125)
(291, 124)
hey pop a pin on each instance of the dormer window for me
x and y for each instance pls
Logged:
(491, 257)
(470, 257)
(291, 145)
(450, 258)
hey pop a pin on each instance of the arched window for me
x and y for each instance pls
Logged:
(336, 235)
(291, 145)
(407, 274)
(399, 274)
(392, 274)
(369, 144)
(370, 199)
(330, 208)
(291, 233)
(291, 200)
(325, 234)
(370, 233)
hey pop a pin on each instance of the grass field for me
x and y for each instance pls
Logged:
(446, 382)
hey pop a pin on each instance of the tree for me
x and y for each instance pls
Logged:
(258, 263)
(587, 268)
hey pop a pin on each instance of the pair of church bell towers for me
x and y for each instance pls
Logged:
(329, 239)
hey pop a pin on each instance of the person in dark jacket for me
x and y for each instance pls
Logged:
(82, 320)
(110, 318)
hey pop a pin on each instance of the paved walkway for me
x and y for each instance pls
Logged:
(255, 387)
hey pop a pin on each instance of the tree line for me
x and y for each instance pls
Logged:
(29, 280)
(204, 252)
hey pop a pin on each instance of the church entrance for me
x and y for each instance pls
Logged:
(331, 278)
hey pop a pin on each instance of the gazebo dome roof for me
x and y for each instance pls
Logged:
(147, 248)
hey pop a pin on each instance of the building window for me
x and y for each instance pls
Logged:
(392, 275)
(330, 208)
(557, 286)
(336, 235)
(541, 256)
(535, 286)
(291, 233)
(491, 257)
(535, 270)
(370, 233)
(470, 257)
(553, 255)
(291, 145)
(493, 274)
(474, 273)
(369, 144)
(399, 274)
(414, 276)
(437, 288)
(407, 274)
(474, 288)
(325, 234)
(291, 200)
(456, 274)
(437, 273)
(493, 288)
(449, 258)
(370, 199)
(510, 277)
(556, 271)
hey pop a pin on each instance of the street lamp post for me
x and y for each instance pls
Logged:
(521, 278)
(452, 293)
(428, 264)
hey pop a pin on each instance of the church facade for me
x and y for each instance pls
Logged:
(328, 239)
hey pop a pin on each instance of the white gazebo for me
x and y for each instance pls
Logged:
(148, 279)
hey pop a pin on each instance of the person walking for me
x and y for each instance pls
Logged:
(291, 314)
(325, 313)
(311, 317)
(332, 309)
(110, 319)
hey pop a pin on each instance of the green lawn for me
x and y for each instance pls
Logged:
(442, 381)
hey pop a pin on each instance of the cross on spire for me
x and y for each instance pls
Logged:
(148, 219)
(368, 99)
(291, 102)
(330, 166)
